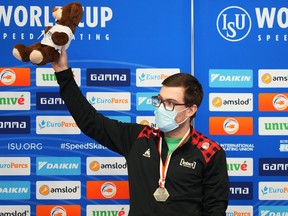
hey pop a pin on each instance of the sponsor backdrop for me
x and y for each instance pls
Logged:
(240, 57)
(121, 53)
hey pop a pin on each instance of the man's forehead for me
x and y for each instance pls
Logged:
(172, 93)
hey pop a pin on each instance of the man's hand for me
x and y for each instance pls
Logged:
(62, 63)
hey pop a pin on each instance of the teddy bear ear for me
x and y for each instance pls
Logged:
(77, 13)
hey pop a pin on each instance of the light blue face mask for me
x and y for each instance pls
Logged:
(165, 120)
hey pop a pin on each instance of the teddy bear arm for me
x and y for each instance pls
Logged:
(47, 29)
(60, 38)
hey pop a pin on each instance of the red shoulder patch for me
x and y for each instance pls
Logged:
(207, 146)
(147, 132)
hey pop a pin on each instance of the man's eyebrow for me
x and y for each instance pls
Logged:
(169, 99)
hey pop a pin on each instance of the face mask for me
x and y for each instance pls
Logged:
(165, 120)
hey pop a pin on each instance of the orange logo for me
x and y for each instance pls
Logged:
(107, 190)
(44, 190)
(14, 76)
(231, 126)
(94, 166)
(266, 78)
(57, 210)
(145, 122)
(273, 102)
(217, 102)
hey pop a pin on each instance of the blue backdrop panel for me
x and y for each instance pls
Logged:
(240, 59)
(114, 37)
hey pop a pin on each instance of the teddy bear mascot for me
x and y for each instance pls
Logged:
(55, 37)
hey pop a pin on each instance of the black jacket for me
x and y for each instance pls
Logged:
(200, 190)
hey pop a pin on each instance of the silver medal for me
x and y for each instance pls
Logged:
(161, 194)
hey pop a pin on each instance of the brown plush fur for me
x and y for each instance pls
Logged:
(40, 54)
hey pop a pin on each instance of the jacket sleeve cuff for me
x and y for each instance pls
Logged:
(64, 75)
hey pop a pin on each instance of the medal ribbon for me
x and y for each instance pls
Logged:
(164, 167)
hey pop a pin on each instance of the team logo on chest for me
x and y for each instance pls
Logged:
(191, 165)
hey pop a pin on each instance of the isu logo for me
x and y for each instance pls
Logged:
(234, 23)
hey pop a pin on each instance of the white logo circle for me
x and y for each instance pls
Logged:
(205, 145)
(280, 102)
(108, 189)
(58, 210)
(230, 126)
(7, 76)
(234, 23)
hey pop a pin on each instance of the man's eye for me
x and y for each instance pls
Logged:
(170, 103)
